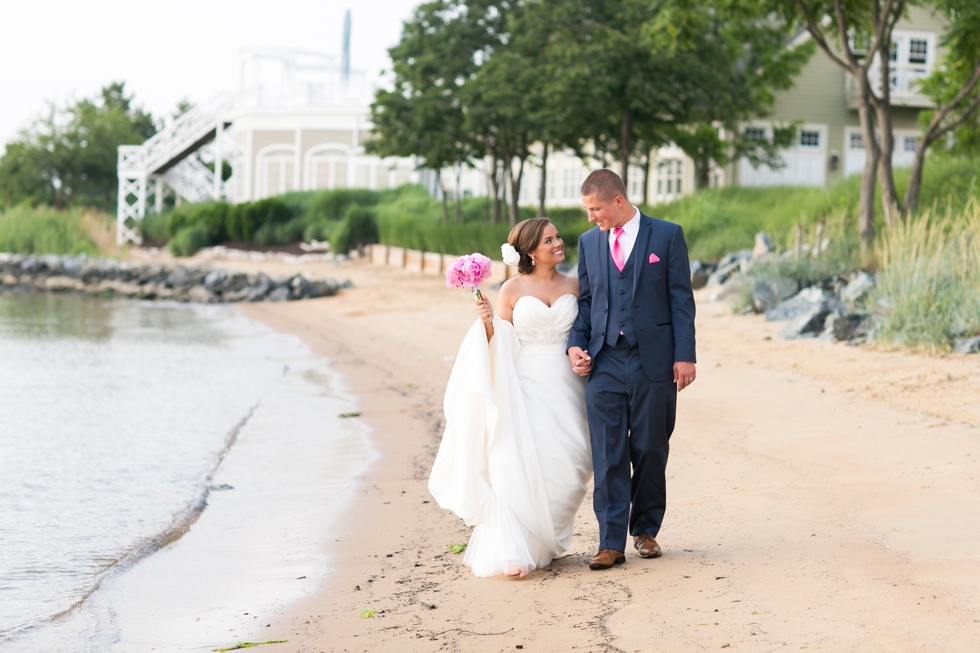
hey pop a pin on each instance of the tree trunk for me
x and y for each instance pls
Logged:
(515, 182)
(915, 175)
(543, 191)
(458, 193)
(866, 204)
(626, 131)
(445, 200)
(646, 176)
(494, 181)
(889, 196)
(702, 172)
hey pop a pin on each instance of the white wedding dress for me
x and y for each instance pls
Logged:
(515, 457)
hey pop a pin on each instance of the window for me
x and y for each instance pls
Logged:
(571, 183)
(918, 51)
(755, 133)
(910, 143)
(669, 174)
(809, 138)
(856, 141)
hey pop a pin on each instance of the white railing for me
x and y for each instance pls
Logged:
(174, 139)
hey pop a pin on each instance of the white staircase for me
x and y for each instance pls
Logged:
(169, 160)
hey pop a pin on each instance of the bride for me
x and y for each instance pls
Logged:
(515, 458)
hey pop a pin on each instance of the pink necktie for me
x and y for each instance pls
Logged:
(617, 251)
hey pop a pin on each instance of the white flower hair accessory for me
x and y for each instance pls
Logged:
(510, 255)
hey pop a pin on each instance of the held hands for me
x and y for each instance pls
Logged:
(684, 374)
(581, 361)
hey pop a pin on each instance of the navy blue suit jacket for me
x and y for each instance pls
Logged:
(663, 303)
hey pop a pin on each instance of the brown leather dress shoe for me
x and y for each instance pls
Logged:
(647, 546)
(606, 558)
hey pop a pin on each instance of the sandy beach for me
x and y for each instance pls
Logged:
(820, 497)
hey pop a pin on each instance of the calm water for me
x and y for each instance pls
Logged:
(114, 416)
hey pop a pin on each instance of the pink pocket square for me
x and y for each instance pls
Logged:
(653, 258)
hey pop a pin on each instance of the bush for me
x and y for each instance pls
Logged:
(43, 230)
(189, 240)
(322, 231)
(245, 219)
(280, 233)
(928, 282)
(359, 228)
(153, 227)
(333, 204)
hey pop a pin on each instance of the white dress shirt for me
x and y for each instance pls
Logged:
(628, 237)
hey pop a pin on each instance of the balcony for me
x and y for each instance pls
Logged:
(904, 86)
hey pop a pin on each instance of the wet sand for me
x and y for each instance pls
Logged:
(820, 497)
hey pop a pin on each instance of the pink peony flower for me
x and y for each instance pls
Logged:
(468, 272)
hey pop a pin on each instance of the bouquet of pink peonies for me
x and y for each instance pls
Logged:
(468, 272)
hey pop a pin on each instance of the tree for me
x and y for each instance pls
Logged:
(854, 35)
(68, 156)
(740, 57)
(953, 87)
(422, 115)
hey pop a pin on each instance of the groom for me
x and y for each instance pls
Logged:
(634, 339)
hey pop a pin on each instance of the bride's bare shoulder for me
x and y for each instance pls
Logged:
(571, 283)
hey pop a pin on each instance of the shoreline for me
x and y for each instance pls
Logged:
(772, 426)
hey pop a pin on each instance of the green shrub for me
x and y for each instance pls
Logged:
(359, 228)
(153, 227)
(280, 233)
(43, 230)
(245, 219)
(189, 240)
(322, 230)
(928, 281)
(333, 204)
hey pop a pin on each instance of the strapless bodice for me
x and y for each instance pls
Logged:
(537, 323)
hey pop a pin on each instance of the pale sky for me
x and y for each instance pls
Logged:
(165, 51)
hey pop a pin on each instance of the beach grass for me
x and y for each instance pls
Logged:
(43, 230)
(928, 282)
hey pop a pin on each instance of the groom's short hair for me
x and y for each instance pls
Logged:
(604, 184)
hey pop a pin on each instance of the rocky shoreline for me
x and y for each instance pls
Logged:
(183, 283)
(835, 309)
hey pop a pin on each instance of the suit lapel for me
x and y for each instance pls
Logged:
(639, 250)
(603, 247)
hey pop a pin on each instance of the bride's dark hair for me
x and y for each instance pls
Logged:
(525, 237)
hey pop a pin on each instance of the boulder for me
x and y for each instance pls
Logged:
(260, 290)
(966, 345)
(734, 257)
(699, 275)
(844, 327)
(858, 288)
(803, 302)
(280, 294)
(763, 245)
(807, 324)
(768, 293)
(724, 272)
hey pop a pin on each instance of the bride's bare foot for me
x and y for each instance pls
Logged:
(516, 572)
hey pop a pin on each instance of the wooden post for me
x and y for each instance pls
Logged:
(818, 240)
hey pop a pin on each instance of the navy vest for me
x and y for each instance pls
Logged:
(621, 301)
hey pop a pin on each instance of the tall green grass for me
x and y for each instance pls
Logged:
(928, 283)
(718, 221)
(43, 230)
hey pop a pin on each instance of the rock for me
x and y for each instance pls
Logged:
(320, 289)
(214, 280)
(803, 302)
(699, 275)
(807, 324)
(763, 245)
(280, 294)
(844, 327)
(734, 257)
(966, 345)
(723, 273)
(260, 290)
(858, 288)
(768, 293)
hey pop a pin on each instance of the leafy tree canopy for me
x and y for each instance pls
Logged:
(68, 156)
